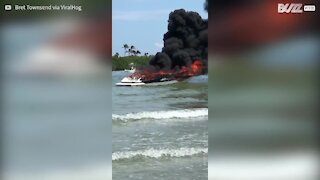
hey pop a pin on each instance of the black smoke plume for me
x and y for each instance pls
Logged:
(185, 41)
(206, 5)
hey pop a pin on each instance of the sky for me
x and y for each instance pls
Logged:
(142, 23)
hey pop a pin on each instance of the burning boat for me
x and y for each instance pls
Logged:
(162, 77)
(185, 52)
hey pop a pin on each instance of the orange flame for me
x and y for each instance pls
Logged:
(181, 74)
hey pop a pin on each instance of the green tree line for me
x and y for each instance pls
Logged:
(122, 63)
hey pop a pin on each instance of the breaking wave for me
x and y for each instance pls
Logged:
(159, 153)
(175, 114)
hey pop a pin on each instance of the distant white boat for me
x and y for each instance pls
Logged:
(132, 70)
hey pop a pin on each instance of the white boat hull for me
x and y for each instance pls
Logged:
(146, 84)
(130, 84)
(132, 81)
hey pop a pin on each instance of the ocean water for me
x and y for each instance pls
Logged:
(160, 132)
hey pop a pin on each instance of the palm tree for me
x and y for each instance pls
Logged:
(116, 55)
(138, 52)
(125, 46)
(134, 52)
(130, 51)
(146, 54)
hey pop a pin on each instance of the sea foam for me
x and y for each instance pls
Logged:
(173, 114)
(159, 153)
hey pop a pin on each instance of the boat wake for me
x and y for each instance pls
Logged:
(159, 153)
(174, 114)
